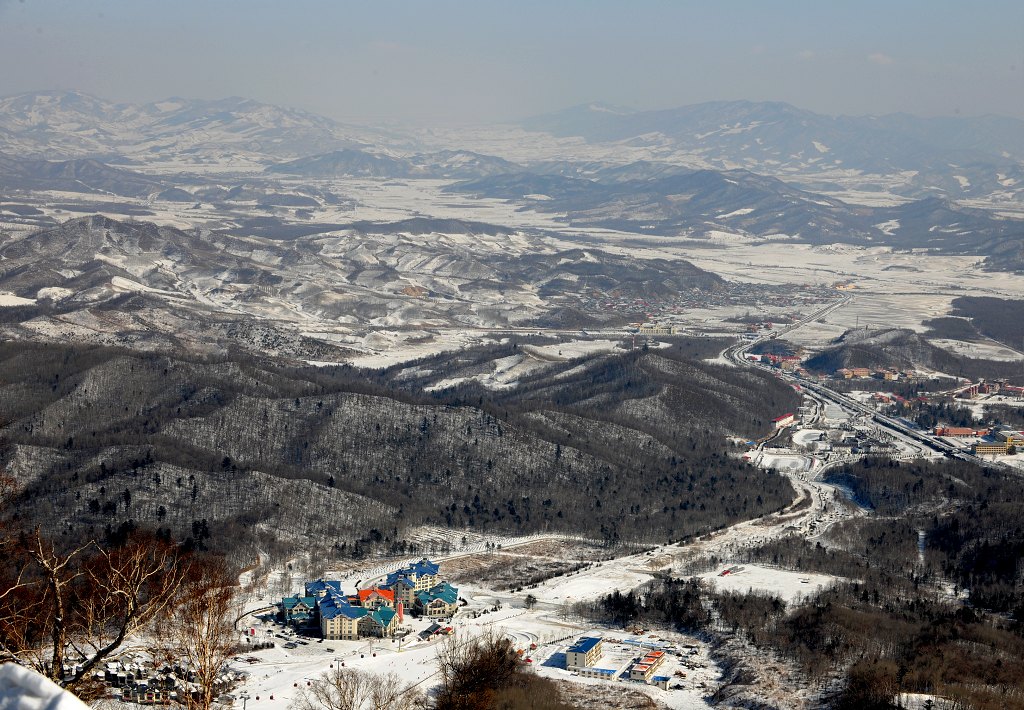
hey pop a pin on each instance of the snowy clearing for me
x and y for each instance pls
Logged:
(9, 299)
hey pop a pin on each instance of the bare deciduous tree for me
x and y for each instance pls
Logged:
(472, 670)
(350, 689)
(485, 672)
(199, 631)
(64, 611)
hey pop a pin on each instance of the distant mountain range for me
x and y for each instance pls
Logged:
(449, 164)
(953, 157)
(959, 156)
(65, 125)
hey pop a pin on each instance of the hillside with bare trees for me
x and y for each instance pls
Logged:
(247, 455)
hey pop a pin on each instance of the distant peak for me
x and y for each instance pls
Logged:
(599, 107)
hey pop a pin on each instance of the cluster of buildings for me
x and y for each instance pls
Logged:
(683, 304)
(786, 363)
(1000, 387)
(582, 658)
(995, 441)
(888, 374)
(376, 611)
(143, 682)
(889, 398)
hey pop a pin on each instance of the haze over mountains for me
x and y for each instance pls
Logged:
(263, 212)
(76, 143)
(777, 137)
(953, 157)
(61, 125)
(739, 202)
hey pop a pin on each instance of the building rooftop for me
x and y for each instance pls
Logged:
(292, 602)
(585, 644)
(384, 615)
(423, 568)
(444, 591)
(365, 594)
(321, 586)
(334, 605)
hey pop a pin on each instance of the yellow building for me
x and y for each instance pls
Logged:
(983, 448)
(654, 329)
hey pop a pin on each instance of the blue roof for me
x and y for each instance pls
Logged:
(444, 591)
(604, 671)
(423, 568)
(399, 576)
(334, 605)
(321, 586)
(384, 615)
(585, 644)
(662, 677)
(292, 602)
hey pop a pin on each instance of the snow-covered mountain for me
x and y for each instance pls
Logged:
(79, 175)
(61, 125)
(135, 283)
(701, 203)
(958, 157)
(451, 164)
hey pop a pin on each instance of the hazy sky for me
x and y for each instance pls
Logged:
(482, 60)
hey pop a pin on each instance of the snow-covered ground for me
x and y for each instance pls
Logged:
(787, 462)
(805, 437)
(982, 351)
(9, 299)
(790, 586)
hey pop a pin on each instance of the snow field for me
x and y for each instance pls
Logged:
(8, 299)
(790, 586)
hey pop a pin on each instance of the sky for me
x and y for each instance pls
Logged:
(428, 62)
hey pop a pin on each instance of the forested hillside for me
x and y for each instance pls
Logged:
(238, 453)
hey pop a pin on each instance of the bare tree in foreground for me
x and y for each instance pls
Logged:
(486, 673)
(350, 689)
(199, 632)
(65, 610)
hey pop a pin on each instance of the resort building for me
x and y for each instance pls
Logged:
(584, 653)
(376, 611)
(339, 620)
(645, 668)
(440, 600)
(299, 611)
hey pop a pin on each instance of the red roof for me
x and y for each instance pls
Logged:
(784, 416)
(365, 594)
